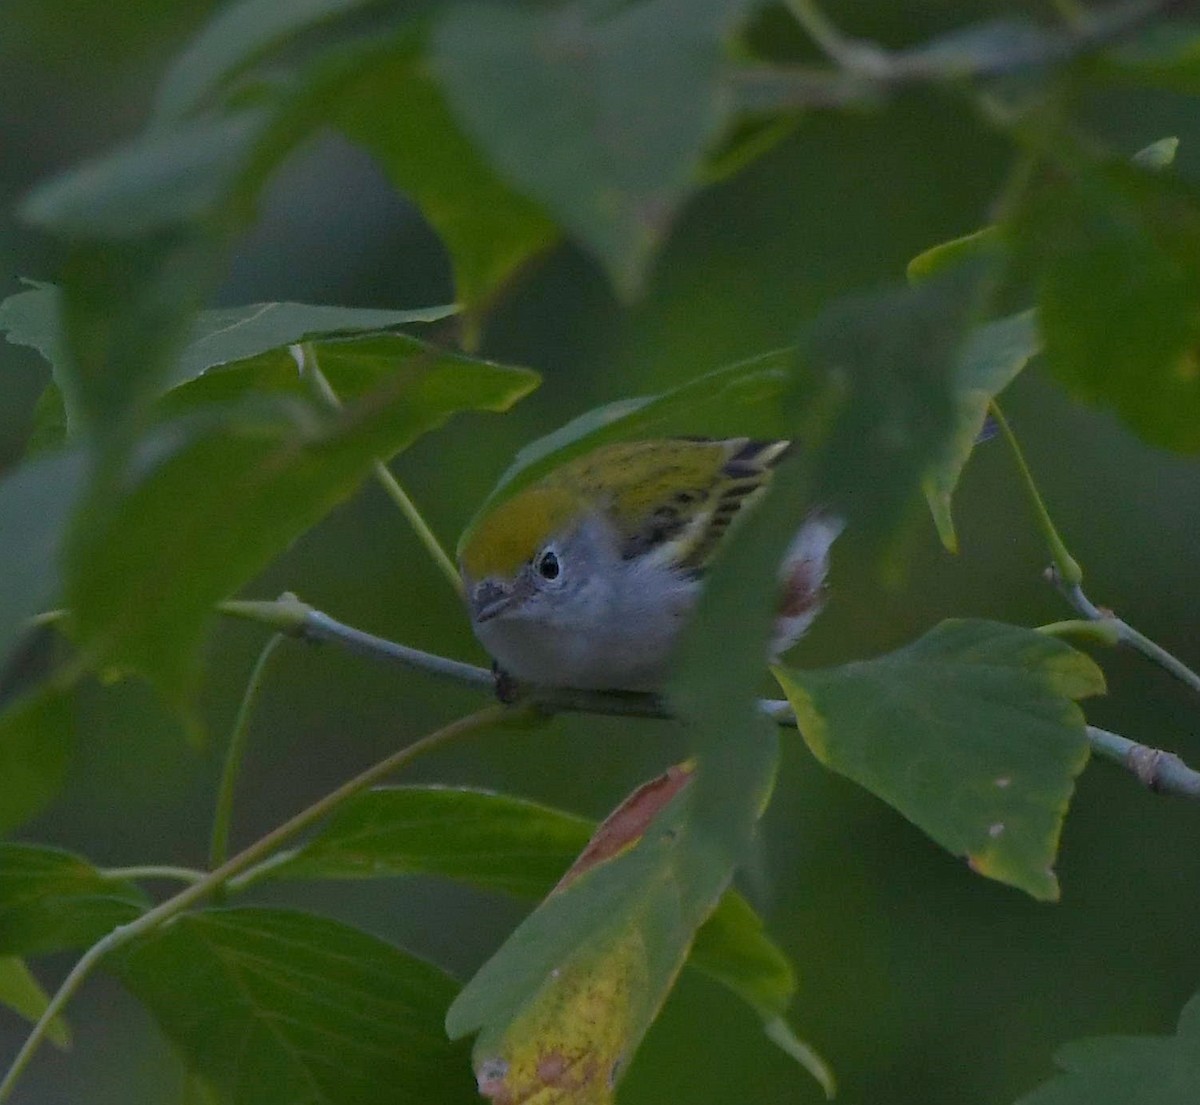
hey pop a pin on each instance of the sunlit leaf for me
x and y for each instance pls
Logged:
(276, 1007)
(603, 116)
(23, 994)
(971, 732)
(219, 501)
(993, 356)
(1128, 1070)
(37, 735)
(51, 900)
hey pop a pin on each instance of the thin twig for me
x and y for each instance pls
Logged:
(218, 851)
(1125, 633)
(1066, 565)
(245, 859)
(864, 70)
(1163, 772)
(306, 361)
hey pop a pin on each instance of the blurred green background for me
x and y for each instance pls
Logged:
(920, 982)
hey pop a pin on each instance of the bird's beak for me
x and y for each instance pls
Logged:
(489, 598)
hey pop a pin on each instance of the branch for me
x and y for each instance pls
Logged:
(1125, 633)
(1161, 771)
(864, 71)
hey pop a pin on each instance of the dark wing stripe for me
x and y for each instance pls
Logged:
(745, 468)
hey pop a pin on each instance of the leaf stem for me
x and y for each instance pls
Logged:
(306, 360)
(1067, 566)
(245, 859)
(1126, 634)
(218, 850)
(1102, 632)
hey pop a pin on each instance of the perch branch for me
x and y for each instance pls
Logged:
(1162, 771)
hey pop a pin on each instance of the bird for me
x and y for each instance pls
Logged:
(585, 578)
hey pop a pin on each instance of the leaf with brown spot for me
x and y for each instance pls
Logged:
(562, 1006)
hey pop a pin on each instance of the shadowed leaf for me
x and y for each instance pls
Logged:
(971, 732)
(217, 502)
(994, 354)
(1128, 1070)
(603, 116)
(1114, 251)
(487, 228)
(23, 994)
(51, 900)
(279, 1007)
(36, 501)
(37, 735)
(497, 842)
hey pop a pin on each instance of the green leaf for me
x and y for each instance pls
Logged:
(740, 399)
(156, 183)
(51, 427)
(488, 229)
(354, 366)
(278, 1007)
(52, 900)
(1115, 253)
(233, 334)
(233, 40)
(601, 115)
(23, 994)
(37, 735)
(34, 318)
(985, 242)
(507, 844)
(36, 502)
(224, 495)
(880, 372)
(255, 336)
(988, 241)
(995, 353)
(492, 841)
(1165, 55)
(971, 732)
(1128, 1070)
(569, 996)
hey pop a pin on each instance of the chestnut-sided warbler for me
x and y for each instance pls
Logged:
(585, 578)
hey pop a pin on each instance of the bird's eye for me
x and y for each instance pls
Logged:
(548, 566)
